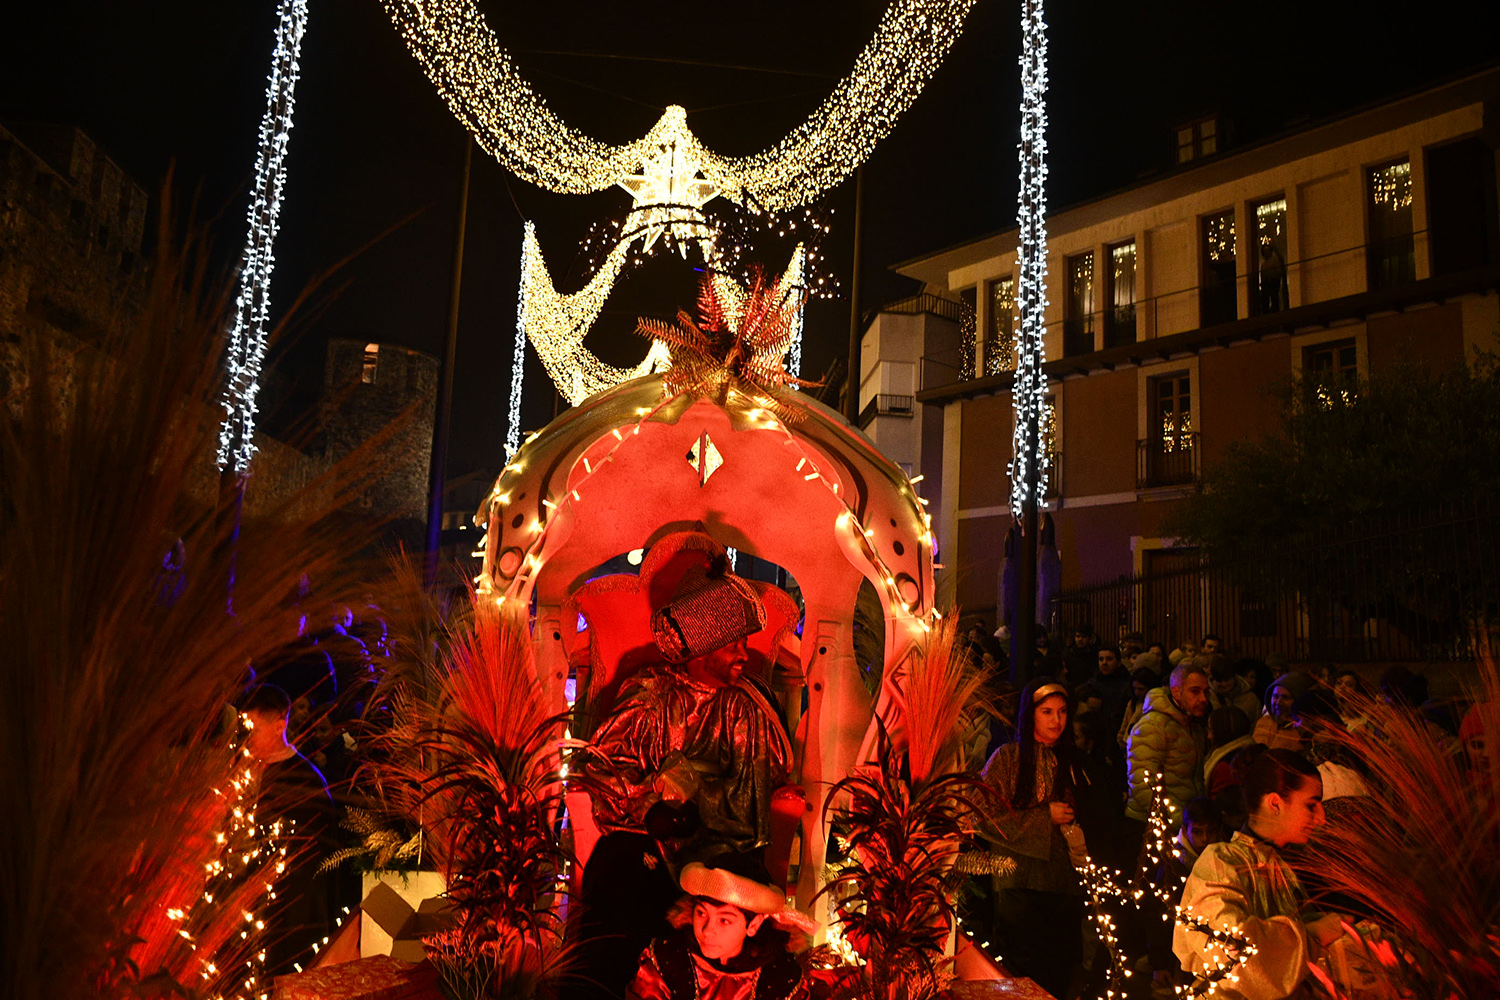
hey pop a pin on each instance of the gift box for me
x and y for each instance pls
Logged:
(393, 926)
(377, 978)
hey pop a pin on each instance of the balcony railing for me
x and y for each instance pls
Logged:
(886, 405)
(1078, 336)
(1166, 462)
(1180, 311)
(1119, 326)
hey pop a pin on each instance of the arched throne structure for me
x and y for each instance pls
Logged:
(766, 470)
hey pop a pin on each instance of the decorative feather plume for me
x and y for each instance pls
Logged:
(733, 344)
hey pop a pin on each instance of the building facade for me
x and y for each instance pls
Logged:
(1176, 305)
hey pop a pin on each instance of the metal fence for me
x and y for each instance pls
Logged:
(1403, 589)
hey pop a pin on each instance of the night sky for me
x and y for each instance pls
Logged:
(162, 82)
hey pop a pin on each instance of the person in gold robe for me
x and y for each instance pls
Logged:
(1243, 888)
(696, 728)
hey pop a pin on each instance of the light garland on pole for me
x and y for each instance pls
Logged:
(1029, 390)
(480, 83)
(247, 341)
(518, 356)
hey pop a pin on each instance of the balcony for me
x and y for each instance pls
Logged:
(1172, 462)
(1078, 336)
(886, 405)
(1119, 326)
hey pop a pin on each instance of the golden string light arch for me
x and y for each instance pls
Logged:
(477, 77)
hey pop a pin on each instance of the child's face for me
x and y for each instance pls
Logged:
(721, 929)
(1200, 835)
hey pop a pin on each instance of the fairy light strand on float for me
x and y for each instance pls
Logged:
(477, 78)
(759, 415)
(247, 340)
(249, 859)
(1029, 390)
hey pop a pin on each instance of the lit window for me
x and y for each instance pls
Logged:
(1197, 139)
(1392, 257)
(1270, 256)
(1218, 299)
(1000, 345)
(1120, 320)
(1078, 322)
(1174, 412)
(372, 362)
(1335, 367)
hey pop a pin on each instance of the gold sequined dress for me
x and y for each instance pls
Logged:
(724, 746)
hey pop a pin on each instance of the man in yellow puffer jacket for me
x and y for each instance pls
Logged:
(1169, 740)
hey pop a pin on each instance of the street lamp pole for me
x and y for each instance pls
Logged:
(443, 417)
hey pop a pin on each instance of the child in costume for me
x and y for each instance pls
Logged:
(734, 949)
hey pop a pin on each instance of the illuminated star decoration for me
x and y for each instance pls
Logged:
(670, 190)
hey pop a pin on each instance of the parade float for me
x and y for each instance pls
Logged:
(732, 461)
(706, 451)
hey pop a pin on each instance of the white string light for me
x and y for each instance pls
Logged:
(794, 282)
(1029, 390)
(518, 356)
(557, 323)
(247, 341)
(477, 78)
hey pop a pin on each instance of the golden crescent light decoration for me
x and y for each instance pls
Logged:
(476, 76)
(556, 323)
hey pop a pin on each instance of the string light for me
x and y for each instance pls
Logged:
(479, 81)
(247, 340)
(251, 857)
(556, 325)
(1390, 186)
(847, 522)
(518, 356)
(1029, 390)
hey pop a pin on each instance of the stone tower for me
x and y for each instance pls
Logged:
(366, 386)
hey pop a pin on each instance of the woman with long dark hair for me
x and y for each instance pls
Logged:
(1243, 886)
(1036, 779)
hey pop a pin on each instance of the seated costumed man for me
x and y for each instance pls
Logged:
(734, 949)
(696, 728)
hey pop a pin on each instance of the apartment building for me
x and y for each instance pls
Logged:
(1175, 305)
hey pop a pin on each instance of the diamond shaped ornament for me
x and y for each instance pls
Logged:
(704, 457)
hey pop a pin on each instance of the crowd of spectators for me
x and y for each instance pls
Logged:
(1180, 730)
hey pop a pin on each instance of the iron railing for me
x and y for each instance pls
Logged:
(1181, 310)
(1167, 461)
(887, 405)
(1405, 589)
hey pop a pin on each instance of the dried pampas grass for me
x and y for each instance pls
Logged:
(117, 667)
(1422, 856)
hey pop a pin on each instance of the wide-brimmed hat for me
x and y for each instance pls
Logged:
(705, 615)
(721, 884)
